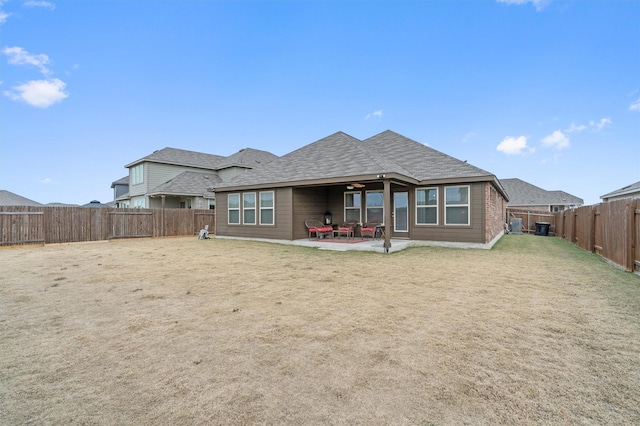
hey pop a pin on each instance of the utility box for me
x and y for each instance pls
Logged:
(516, 225)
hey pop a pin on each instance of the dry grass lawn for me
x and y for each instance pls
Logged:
(181, 331)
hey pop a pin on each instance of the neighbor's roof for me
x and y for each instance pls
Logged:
(522, 193)
(340, 156)
(189, 184)
(629, 189)
(181, 157)
(8, 198)
(121, 181)
(247, 157)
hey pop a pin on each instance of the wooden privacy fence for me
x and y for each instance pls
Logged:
(47, 225)
(612, 230)
(529, 219)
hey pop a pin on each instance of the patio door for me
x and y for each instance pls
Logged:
(400, 212)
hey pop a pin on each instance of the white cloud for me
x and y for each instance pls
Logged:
(3, 16)
(600, 124)
(513, 146)
(19, 56)
(635, 106)
(556, 140)
(593, 125)
(576, 128)
(538, 4)
(39, 93)
(44, 4)
(46, 181)
(377, 113)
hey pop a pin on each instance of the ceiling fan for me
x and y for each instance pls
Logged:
(355, 185)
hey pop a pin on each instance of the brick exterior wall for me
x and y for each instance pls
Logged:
(496, 212)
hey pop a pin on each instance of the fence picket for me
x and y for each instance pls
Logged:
(46, 225)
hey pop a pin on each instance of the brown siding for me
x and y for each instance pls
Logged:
(474, 233)
(282, 230)
(309, 203)
(295, 205)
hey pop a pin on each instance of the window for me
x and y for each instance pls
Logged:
(212, 203)
(137, 174)
(138, 203)
(266, 208)
(352, 205)
(375, 206)
(427, 206)
(456, 200)
(249, 208)
(234, 209)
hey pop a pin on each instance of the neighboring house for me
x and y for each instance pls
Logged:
(629, 191)
(417, 192)
(525, 196)
(120, 188)
(95, 203)
(176, 178)
(8, 198)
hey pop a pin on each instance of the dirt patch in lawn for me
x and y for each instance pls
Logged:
(186, 331)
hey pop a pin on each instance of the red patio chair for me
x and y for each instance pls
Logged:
(369, 229)
(318, 228)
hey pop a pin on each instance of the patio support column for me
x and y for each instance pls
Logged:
(388, 218)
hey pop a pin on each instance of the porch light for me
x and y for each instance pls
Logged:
(349, 187)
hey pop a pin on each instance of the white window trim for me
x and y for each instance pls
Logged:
(229, 209)
(467, 205)
(359, 208)
(436, 206)
(255, 210)
(366, 207)
(272, 208)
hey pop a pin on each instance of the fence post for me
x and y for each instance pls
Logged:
(630, 213)
(592, 229)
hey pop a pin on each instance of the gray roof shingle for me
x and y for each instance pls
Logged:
(248, 158)
(189, 184)
(342, 156)
(181, 157)
(8, 198)
(522, 193)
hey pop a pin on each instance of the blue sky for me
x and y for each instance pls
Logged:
(545, 91)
